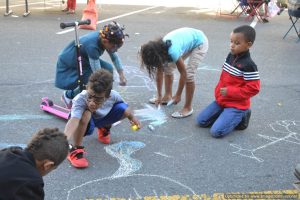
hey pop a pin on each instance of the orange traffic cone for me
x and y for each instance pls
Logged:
(90, 12)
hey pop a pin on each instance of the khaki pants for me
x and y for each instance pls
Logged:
(195, 58)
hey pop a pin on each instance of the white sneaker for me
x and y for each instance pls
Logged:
(67, 101)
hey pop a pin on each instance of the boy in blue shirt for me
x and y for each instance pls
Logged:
(162, 56)
(98, 106)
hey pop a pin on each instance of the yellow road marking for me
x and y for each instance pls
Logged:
(265, 195)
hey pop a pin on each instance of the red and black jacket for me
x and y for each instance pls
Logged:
(241, 78)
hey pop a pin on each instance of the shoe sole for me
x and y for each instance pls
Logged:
(152, 101)
(64, 101)
(180, 115)
(81, 167)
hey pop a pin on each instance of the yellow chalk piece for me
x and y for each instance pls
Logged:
(134, 127)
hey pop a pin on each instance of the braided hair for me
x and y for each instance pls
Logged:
(114, 33)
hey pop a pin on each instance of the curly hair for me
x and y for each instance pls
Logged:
(101, 81)
(49, 143)
(247, 31)
(153, 55)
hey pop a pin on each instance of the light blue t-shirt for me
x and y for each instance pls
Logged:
(79, 105)
(183, 40)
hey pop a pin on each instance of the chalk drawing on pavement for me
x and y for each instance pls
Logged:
(162, 154)
(14, 117)
(140, 185)
(207, 68)
(289, 128)
(122, 152)
(156, 116)
(133, 74)
(114, 185)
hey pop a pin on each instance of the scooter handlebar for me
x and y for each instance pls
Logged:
(71, 24)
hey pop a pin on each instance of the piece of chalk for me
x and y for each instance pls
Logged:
(170, 102)
(134, 127)
(116, 123)
(151, 127)
(158, 107)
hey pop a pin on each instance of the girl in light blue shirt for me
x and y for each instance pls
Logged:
(162, 56)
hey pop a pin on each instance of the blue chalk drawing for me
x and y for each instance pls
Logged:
(6, 145)
(122, 152)
(149, 113)
(14, 117)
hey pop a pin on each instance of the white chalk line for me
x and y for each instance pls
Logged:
(291, 137)
(132, 175)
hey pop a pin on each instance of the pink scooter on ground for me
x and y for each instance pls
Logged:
(47, 105)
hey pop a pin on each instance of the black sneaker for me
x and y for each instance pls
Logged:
(245, 121)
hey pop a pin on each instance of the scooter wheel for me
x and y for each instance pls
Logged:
(50, 102)
(47, 102)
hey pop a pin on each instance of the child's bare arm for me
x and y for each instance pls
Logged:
(133, 120)
(71, 127)
(122, 78)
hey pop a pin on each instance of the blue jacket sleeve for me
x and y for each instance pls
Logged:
(95, 64)
(116, 61)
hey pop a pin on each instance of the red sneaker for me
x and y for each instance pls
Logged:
(104, 135)
(76, 158)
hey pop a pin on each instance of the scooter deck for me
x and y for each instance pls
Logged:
(48, 106)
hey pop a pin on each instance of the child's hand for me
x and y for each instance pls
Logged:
(136, 122)
(123, 80)
(223, 91)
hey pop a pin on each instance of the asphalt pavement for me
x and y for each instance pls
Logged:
(176, 160)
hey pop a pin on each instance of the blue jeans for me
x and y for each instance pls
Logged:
(115, 114)
(222, 120)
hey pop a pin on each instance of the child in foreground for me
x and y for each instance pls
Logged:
(99, 106)
(239, 81)
(22, 170)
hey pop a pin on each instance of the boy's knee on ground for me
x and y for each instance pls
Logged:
(217, 132)
(201, 122)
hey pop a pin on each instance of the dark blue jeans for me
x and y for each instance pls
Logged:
(113, 116)
(222, 120)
